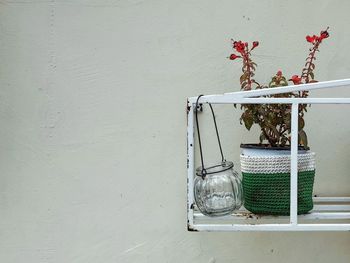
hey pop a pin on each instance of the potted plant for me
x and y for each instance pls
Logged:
(266, 165)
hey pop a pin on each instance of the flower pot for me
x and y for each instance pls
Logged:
(266, 179)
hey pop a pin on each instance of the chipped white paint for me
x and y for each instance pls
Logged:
(92, 124)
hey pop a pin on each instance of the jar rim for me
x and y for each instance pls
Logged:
(218, 168)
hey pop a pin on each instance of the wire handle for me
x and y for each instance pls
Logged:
(204, 172)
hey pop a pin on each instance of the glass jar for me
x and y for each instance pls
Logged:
(218, 191)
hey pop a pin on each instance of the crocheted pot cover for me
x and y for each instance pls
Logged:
(266, 183)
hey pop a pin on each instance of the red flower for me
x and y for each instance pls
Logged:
(279, 73)
(296, 80)
(234, 56)
(310, 39)
(255, 44)
(239, 46)
(324, 34)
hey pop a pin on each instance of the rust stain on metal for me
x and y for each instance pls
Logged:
(188, 107)
(249, 215)
(191, 229)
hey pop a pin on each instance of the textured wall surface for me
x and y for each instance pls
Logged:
(93, 124)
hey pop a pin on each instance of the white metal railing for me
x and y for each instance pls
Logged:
(252, 97)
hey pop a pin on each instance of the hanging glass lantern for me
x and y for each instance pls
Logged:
(219, 192)
(217, 189)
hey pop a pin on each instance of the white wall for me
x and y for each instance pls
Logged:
(92, 137)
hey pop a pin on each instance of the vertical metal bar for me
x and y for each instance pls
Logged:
(190, 163)
(294, 166)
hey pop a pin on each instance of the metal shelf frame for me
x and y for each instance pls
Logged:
(326, 208)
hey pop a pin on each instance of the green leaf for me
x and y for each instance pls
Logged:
(284, 82)
(262, 137)
(248, 120)
(311, 74)
(248, 123)
(286, 119)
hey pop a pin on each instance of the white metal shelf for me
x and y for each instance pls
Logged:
(337, 209)
(331, 209)
(326, 209)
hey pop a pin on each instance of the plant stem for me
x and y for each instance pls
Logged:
(305, 73)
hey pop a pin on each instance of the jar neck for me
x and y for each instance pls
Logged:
(215, 169)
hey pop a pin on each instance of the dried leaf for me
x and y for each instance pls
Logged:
(243, 77)
(303, 138)
(301, 123)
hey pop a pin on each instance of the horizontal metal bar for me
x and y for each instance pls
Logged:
(324, 207)
(326, 215)
(340, 204)
(222, 99)
(286, 89)
(279, 90)
(317, 208)
(321, 199)
(250, 216)
(272, 227)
